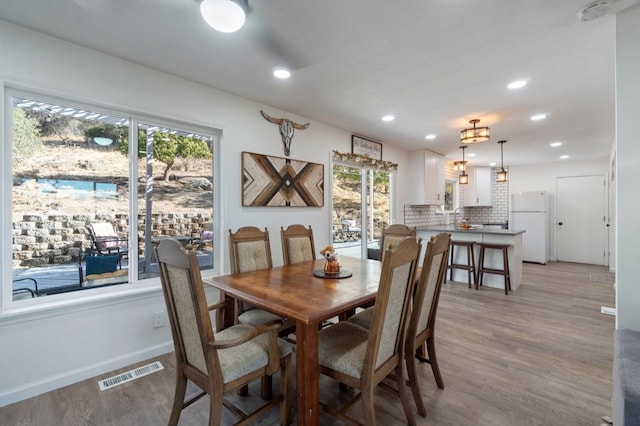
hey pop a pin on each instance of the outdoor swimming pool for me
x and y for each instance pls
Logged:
(75, 189)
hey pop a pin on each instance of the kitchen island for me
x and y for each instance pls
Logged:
(492, 258)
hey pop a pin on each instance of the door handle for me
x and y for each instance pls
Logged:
(560, 223)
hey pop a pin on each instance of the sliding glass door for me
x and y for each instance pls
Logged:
(361, 208)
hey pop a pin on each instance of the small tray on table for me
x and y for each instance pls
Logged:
(342, 274)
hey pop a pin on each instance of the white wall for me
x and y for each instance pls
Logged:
(60, 346)
(628, 169)
(542, 177)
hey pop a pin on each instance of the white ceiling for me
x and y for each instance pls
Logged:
(434, 64)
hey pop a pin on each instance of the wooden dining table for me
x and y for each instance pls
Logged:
(294, 292)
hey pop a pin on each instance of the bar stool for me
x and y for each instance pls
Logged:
(470, 266)
(505, 265)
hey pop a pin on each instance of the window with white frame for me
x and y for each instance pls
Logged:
(450, 195)
(94, 190)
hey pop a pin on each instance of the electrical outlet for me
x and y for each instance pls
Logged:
(158, 319)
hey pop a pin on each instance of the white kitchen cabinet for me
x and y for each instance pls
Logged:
(477, 193)
(427, 168)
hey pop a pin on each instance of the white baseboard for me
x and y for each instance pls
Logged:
(32, 389)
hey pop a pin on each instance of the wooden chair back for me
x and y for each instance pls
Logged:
(420, 341)
(427, 293)
(188, 312)
(384, 349)
(197, 351)
(297, 244)
(249, 249)
(393, 234)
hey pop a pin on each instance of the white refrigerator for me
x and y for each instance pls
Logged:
(530, 212)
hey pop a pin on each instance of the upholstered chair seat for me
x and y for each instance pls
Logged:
(240, 360)
(255, 317)
(362, 318)
(342, 348)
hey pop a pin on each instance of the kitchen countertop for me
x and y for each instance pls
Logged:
(486, 230)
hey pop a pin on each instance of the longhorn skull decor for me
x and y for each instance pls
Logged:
(286, 130)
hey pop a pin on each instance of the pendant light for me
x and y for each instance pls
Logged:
(474, 134)
(463, 179)
(502, 173)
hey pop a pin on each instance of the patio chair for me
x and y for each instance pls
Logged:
(105, 241)
(204, 238)
(217, 363)
(25, 292)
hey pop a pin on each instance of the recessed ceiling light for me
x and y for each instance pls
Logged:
(538, 117)
(388, 118)
(555, 144)
(430, 137)
(281, 72)
(564, 157)
(517, 84)
(471, 155)
(492, 164)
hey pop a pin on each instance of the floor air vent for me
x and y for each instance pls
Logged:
(114, 381)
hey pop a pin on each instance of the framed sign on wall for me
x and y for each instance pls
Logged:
(269, 181)
(362, 146)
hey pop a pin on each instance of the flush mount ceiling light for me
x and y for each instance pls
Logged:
(226, 16)
(388, 117)
(502, 173)
(593, 11)
(430, 137)
(463, 179)
(474, 134)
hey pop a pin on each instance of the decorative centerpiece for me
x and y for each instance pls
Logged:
(332, 267)
(464, 224)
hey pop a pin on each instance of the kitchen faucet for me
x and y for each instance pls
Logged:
(455, 216)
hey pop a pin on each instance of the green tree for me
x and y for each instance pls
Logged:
(26, 135)
(168, 147)
(52, 124)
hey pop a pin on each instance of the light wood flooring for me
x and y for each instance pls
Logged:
(540, 356)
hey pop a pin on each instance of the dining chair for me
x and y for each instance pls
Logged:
(297, 244)
(250, 250)
(420, 341)
(393, 234)
(217, 363)
(362, 358)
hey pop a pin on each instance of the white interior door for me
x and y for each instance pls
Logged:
(581, 232)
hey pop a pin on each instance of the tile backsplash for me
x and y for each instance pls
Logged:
(432, 215)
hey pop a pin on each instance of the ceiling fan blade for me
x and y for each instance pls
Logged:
(281, 51)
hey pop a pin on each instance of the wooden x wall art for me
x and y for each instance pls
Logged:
(279, 182)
